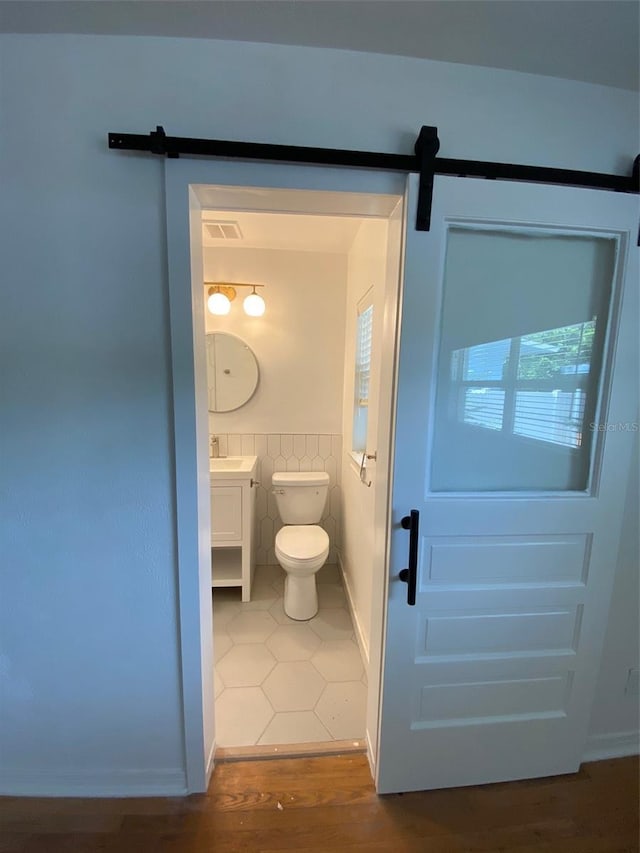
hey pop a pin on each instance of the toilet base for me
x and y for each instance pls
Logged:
(300, 597)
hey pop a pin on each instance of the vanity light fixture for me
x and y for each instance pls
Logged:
(254, 304)
(219, 299)
(221, 294)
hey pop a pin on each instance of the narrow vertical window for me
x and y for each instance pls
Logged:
(364, 332)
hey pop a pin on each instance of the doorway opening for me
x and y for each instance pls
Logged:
(319, 367)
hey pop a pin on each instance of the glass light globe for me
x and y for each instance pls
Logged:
(254, 305)
(218, 303)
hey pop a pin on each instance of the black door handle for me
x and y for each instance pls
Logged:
(410, 576)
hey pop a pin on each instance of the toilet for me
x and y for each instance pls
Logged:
(302, 546)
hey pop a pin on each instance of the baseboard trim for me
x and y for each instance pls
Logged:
(364, 646)
(86, 783)
(210, 763)
(370, 758)
(617, 745)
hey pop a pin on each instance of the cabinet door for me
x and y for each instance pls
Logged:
(226, 514)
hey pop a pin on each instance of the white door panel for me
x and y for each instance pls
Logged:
(491, 675)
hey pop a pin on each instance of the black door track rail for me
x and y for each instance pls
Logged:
(424, 162)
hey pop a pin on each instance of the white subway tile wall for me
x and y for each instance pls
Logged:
(288, 452)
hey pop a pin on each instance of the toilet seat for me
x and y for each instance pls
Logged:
(301, 549)
(302, 543)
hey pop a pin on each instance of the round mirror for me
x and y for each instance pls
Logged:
(232, 372)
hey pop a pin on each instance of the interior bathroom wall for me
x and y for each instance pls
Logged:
(287, 452)
(298, 342)
(365, 271)
(294, 420)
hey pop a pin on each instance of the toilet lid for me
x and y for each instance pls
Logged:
(302, 541)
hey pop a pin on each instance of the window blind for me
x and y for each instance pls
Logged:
(535, 385)
(362, 378)
(363, 356)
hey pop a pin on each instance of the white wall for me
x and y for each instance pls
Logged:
(366, 270)
(298, 342)
(614, 710)
(299, 345)
(91, 692)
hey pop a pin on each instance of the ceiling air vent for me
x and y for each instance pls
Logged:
(223, 230)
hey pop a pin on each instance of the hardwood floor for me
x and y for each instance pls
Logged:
(328, 805)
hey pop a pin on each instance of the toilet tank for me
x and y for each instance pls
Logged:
(301, 496)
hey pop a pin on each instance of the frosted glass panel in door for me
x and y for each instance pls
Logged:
(524, 319)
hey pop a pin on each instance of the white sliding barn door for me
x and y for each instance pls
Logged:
(517, 392)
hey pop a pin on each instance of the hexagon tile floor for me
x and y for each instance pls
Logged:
(279, 681)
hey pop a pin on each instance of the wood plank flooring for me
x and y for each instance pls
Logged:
(329, 805)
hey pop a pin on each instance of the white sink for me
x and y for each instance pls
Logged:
(233, 466)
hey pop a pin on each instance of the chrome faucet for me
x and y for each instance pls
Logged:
(214, 447)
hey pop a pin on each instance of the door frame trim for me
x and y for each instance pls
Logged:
(183, 178)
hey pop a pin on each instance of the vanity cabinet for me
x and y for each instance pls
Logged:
(232, 520)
